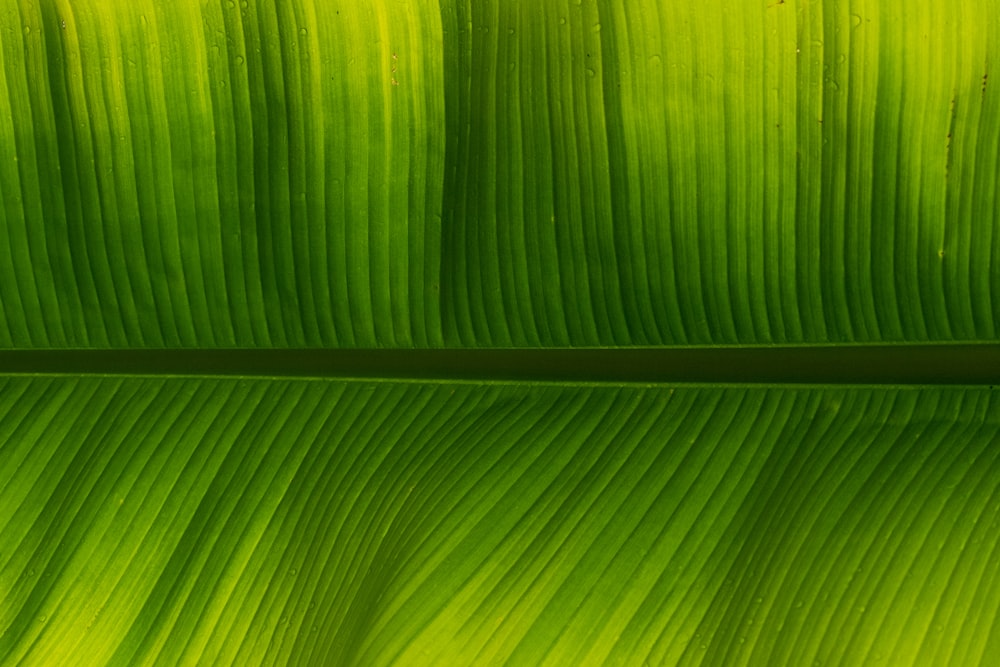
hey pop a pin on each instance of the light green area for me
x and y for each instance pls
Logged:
(694, 172)
(187, 521)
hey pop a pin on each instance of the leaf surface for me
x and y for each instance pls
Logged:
(193, 521)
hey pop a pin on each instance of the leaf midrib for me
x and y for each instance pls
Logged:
(970, 363)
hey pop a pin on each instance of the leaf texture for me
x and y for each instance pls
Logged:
(219, 174)
(248, 521)
(708, 172)
(289, 174)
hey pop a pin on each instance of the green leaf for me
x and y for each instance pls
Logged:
(212, 174)
(308, 181)
(296, 174)
(199, 521)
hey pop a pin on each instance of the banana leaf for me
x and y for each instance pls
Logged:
(444, 333)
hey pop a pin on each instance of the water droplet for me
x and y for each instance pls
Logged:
(562, 20)
(245, 4)
(303, 32)
(841, 59)
(510, 31)
(595, 28)
(42, 619)
(231, 4)
(142, 19)
(240, 60)
(591, 72)
(655, 59)
(855, 20)
(284, 619)
(27, 30)
(294, 571)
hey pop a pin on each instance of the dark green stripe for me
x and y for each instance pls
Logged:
(914, 364)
